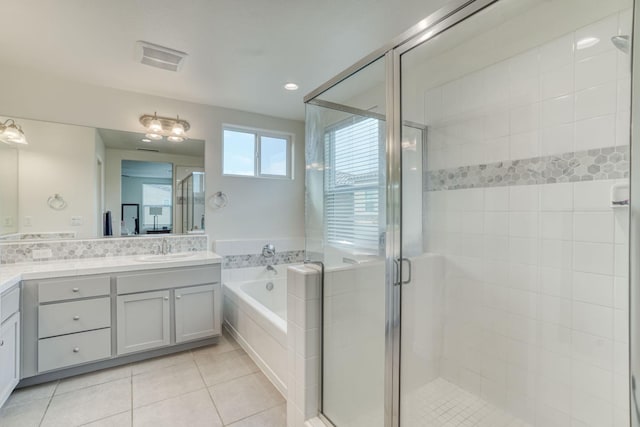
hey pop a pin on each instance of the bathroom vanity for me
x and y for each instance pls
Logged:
(75, 317)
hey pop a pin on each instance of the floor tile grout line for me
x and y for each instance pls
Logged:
(103, 418)
(167, 398)
(44, 414)
(91, 385)
(213, 402)
(258, 413)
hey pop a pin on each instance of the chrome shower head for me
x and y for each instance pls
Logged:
(622, 43)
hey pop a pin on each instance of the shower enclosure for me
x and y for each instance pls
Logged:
(468, 196)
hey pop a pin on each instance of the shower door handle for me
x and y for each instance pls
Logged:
(398, 271)
(409, 267)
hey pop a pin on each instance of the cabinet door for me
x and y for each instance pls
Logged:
(143, 321)
(196, 313)
(9, 356)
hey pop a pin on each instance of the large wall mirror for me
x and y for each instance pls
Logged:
(80, 182)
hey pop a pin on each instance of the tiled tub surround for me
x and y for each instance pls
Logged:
(520, 161)
(248, 253)
(22, 252)
(257, 317)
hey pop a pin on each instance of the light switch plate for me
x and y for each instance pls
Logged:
(27, 221)
(8, 221)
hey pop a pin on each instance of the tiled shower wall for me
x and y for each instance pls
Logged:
(536, 266)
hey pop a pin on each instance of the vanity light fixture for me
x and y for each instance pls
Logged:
(146, 140)
(159, 127)
(11, 132)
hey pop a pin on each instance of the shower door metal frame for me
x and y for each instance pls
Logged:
(436, 23)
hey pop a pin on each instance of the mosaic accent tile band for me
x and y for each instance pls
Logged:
(16, 252)
(257, 260)
(588, 165)
(39, 236)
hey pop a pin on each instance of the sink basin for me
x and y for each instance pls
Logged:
(167, 257)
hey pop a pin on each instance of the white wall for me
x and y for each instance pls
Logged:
(278, 203)
(8, 189)
(59, 159)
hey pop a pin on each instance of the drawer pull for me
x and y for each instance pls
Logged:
(76, 317)
(166, 298)
(178, 296)
(76, 350)
(1, 343)
(76, 289)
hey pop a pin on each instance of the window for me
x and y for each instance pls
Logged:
(352, 184)
(248, 152)
(156, 202)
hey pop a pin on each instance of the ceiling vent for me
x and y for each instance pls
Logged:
(148, 149)
(160, 57)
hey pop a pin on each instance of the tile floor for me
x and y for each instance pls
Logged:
(444, 404)
(217, 385)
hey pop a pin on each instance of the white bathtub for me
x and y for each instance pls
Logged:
(257, 318)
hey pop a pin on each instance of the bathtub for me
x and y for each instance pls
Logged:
(257, 318)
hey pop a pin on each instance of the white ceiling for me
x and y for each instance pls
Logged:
(240, 52)
(138, 169)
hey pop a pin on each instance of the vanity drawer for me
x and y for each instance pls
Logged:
(74, 349)
(171, 278)
(9, 303)
(73, 288)
(76, 316)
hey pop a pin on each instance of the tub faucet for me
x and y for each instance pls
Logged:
(268, 251)
(271, 268)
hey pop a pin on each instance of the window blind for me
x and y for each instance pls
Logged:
(353, 171)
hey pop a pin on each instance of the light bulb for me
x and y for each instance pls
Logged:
(154, 136)
(178, 129)
(11, 132)
(291, 86)
(19, 140)
(174, 138)
(154, 125)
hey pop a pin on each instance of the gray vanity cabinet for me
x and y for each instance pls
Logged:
(77, 324)
(9, 342)
(143, 321)
(158, 309)
(195, 312)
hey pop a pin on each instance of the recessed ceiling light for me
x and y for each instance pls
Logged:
(291, 86)
(146, 140)
(154, 136)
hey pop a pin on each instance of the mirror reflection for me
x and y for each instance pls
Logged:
(80, 182)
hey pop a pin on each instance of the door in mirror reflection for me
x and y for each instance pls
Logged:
(150, 186)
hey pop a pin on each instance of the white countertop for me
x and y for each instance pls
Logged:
(10, 274)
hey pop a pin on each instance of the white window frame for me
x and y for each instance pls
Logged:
(328, 192)
(257, 142)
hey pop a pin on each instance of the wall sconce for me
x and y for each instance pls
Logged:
(159, 127)
(11, 132)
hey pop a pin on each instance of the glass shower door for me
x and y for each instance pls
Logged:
(345, 230)
(515, 308)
